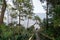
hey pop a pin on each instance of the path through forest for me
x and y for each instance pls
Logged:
(37, 36)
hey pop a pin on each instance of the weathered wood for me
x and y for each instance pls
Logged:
(52, 38)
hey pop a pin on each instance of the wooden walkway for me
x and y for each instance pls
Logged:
(37, 36)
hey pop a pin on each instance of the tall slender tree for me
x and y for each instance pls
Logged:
(24, 7)
(3, 11)
(47, 15)
(47, 3)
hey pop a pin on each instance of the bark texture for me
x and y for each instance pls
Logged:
(3, 11)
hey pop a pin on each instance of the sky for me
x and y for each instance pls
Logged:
(38, 6)
(38, 10)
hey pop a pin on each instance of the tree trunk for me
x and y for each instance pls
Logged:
(19, 25)
(47, 16)
(19, 19)
(2, 11)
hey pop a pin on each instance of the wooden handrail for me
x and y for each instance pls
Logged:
(52, 38)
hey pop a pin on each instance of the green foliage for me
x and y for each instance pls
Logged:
(26, 4)
(57, 16)
(58, 38)
(0, 2)
(11, 32)
(13, 15)
(37, 18)
(24, 36)
(54, 25)
(25, 9)
(30, 30)
(5, 33)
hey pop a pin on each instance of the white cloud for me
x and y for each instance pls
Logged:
(41, 15)
(9, 2)
(38, 7)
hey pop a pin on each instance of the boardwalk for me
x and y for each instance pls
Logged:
(37, 37)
